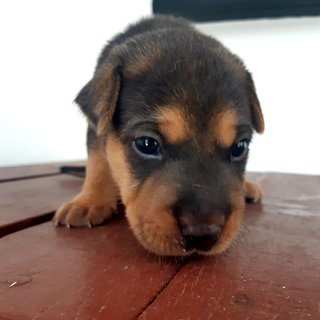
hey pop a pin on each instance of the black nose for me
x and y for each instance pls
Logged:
(200, 222)
(200, 236)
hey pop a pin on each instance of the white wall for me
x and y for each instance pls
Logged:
(48, 52)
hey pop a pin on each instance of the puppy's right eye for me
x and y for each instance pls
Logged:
(147, 147)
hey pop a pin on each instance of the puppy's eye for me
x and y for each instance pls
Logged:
(147, 146)
(239, 150)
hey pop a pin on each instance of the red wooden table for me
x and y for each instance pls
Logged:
(271, 272)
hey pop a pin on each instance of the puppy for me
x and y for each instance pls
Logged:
(171, 113)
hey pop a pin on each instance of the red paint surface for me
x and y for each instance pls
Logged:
(271, 272)
(24, 199)
(31, 171)
(100, 273)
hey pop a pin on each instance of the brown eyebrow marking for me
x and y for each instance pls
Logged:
(225, 127)
(172, 123)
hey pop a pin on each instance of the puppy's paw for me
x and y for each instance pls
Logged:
(83, 211)
(253, 192)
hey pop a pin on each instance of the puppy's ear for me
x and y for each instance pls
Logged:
(98, 98)
(255, 109)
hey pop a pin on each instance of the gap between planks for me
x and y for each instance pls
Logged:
(36, 176)
(25, 224)
(158, 293)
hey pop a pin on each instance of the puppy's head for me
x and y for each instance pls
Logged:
(177, 111)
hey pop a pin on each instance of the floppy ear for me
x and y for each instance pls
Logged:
(98, 98)
(255, 109)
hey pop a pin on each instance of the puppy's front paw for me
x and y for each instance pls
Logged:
(83, 211)
(253, 192)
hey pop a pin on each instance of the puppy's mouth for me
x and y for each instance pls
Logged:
(200, 237)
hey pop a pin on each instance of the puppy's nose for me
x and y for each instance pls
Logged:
(201, 236)
(200, 227)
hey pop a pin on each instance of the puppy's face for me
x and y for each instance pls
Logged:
(177, 141)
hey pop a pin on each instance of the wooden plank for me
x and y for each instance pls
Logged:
(287, 186)
(32, 171)
(13, 173)
(59, 273)
(27, 202)
(273, 270)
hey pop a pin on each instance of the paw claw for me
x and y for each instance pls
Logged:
(82, 212)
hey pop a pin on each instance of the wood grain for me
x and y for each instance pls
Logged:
(271, 272)
(58, 273)
(23, 203)
(33, 171)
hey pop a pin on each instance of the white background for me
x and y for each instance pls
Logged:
(48, 51)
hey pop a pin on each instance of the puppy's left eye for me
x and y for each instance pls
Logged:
(147, 147)
(239, 150)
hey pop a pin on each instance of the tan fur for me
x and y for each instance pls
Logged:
(98, 197)
(250, 190)
(172, 123)
(224, 127)
(120, 169)
(229, 230)
(253, 191)
(152, 221)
